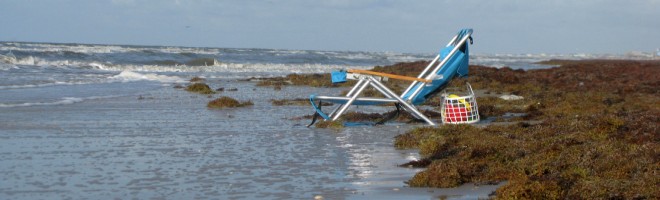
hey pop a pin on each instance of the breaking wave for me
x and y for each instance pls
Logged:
(56, 83)
(127, 76)
(192, 62)
(62, 101)
(123, 77)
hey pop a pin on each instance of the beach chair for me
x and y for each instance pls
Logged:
(452, 60)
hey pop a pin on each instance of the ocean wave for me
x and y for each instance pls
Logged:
(165, 63)
(57, 83)
(8, 58)
(192, 65)
(233, 67)
(191, 62)
(86, 79)
(128, 76)
(71, 48)
(280, 68)
(87, 49)
(63, 101)
(5, 66)
(406, 57)
(203, 62)
(31, 60)
(83, 58)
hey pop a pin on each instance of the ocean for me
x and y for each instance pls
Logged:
(82, 121)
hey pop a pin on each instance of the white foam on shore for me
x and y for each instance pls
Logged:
(58, 83)
(63, 101)
(123, 77)
(127, 76)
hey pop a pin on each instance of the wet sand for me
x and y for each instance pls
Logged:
(165, 143)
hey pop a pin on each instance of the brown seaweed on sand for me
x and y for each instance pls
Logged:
(597, 137)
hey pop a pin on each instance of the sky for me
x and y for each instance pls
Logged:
(405, 26)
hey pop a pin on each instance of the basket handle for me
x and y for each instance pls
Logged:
(470, 88)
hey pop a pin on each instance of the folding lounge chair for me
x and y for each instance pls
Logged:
(450, 61)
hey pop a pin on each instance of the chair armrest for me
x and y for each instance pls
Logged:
(393, 76)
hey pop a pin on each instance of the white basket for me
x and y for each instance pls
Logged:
(460, 109)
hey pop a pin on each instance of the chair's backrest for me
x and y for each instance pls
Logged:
(452, 60)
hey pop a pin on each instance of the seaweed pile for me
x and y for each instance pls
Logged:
(201, 88)
(597, 137)
(198, 86)
(227, 102)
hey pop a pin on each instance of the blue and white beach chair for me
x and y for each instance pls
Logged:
(451, 61)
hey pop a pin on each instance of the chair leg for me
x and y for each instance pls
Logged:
(382, 91)
(409, 107)
(316, 113)
(354, 96)
(350, 92)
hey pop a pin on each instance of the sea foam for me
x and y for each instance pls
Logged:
(63, 101)
(127, 76)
